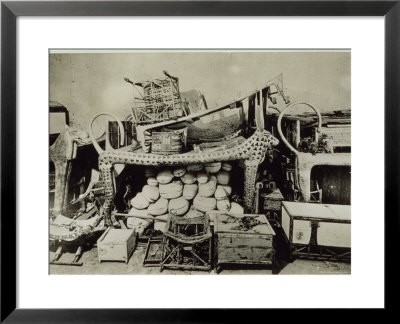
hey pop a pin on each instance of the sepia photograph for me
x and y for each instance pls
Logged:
(202, 162)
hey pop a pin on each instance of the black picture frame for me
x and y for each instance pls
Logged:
(11, 10)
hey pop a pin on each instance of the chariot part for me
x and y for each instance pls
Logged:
(95, 143)
(161, 101)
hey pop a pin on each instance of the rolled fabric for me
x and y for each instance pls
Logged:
(204, 204)
(202, 177)
(194, 167)
(179, 206)
(160, 207)
(220, 192)
(188, 178)
(151, 193)
(236, 208)
(164, 176)
(140, 201)
(226, 166)
(152, 182)
(208, 189)
(223, 205)
(179, 172)
(223, 177)
(212, 167)
(190, 191)
(137, 212)
(149, 173)
(171, 190)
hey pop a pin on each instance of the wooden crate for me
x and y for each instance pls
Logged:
(168, 142)
(232, 246)
(116, 244)
(317, 231)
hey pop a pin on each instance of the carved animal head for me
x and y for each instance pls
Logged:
(64, 146)
(78, 135)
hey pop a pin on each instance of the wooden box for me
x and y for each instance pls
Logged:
(116, 244)
(273, 200)
(319, 231)
(168, 142)
(233, 246)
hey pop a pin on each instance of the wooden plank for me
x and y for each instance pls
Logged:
(322, 220)
(185, 266)
(121, 222)
(151, 218)
(245, 255)
(239, 240)
(260, 262)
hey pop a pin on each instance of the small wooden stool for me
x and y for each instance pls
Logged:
(187, 243)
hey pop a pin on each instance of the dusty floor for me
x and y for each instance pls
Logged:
(91, 265)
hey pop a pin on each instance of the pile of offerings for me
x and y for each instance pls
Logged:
(187, 191)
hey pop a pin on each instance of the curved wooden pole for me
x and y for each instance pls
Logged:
(280, 121)
(94, 141)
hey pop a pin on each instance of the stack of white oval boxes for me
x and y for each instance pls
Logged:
(186, 191)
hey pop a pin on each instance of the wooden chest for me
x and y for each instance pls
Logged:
(233, 246)
(319, 231)
(168, 142)
(116, 244)
(273, 200)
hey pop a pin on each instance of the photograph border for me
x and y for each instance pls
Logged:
(11, 10)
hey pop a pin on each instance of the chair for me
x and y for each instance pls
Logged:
(187, 243)
(316, 194)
